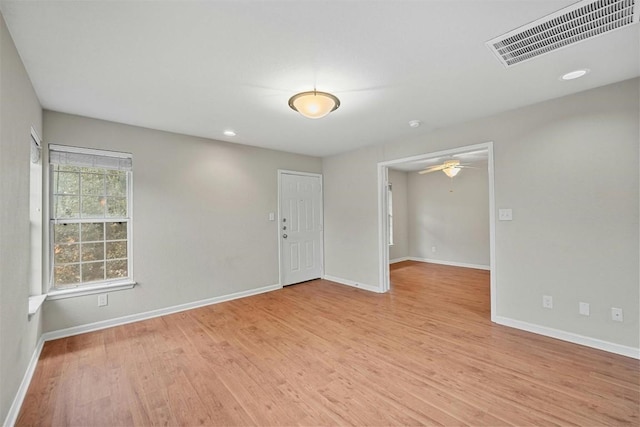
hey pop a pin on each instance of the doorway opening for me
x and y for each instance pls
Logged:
(422, 162)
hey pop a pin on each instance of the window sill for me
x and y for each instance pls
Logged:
(35, 302)
(89, 290)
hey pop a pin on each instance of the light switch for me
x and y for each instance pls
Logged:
(505, 214)
(272, 216)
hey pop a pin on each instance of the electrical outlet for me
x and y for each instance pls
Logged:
(616, 314)
(103, 300)
(433, 249)
(547, 301)
(584, 308)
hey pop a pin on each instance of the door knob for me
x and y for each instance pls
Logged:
(284, 236)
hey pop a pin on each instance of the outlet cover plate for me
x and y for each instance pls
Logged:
(547, 301)
(584, 308)
(103, 300)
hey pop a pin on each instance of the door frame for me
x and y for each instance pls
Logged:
(383, 228)
(279, 231)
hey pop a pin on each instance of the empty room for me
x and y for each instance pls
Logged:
(323, 212)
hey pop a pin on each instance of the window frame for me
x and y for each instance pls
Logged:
(97, 286)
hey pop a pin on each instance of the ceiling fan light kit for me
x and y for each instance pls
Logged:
(451, 171)
(450, 168)
(314, 104)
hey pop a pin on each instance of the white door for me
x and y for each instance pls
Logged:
(300, 226)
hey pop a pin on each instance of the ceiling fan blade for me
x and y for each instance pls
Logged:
(432, 169)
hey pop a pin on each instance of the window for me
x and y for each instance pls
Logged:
(390, 209)
(90, 208)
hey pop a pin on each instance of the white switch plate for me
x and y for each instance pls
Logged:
(584, 308)
(616, 314)
(103, 300)
(505, 214)
(547, 301)
(272, 216)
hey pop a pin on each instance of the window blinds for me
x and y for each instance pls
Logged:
(85, 157)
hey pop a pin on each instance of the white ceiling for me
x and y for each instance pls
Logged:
(477, 158)
(200, 67)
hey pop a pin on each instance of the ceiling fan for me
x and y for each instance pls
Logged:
(449, 167)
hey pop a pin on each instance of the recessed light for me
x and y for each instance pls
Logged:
(229, 132)
(576, 74)
(414, 123)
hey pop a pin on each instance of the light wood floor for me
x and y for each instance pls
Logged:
(326, 354)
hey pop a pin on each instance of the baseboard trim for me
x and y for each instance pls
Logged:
(90, 327)
(352, 283)
(451, 263)
(404, 258)
(610, 347)
(14, 410)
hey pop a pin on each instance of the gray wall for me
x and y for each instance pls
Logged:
(569, 170)
(201, 225)
(19, 111)
(400, 247)
(451, 215)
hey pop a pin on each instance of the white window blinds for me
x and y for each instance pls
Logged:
(84, 157)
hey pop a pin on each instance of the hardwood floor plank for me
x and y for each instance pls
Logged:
(319, 353)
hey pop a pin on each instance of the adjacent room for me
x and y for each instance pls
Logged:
(319, 212)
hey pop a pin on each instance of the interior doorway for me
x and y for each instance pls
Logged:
(425, 161)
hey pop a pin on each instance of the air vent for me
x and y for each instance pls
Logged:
(581, 21)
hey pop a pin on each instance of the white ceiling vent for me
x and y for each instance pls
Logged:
(581, 21)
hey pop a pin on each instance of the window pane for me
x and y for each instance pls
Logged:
(66, 233)
(117, 269)
(66, 274)
(116, 250)
(92, 271)
(117, 183)
(117, 207)
(92, 170)
(66, 206)
(92, 183)
(92, 232)
(66, 183)
(92, 251)
(64, 253)
(116, 230)
(93, 206)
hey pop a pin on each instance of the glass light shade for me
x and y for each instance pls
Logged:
(313, 104)
(451, 171)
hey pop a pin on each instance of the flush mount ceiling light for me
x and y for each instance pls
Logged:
(414, 123)
(314, 104)
(229, 132)
(575, 74)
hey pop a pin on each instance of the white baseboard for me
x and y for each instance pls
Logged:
(452, 263)
(14, 410)
(348, 282)
(404, 258)
(570, 337)
(76, 330)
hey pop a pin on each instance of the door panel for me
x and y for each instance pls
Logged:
(300, 227)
